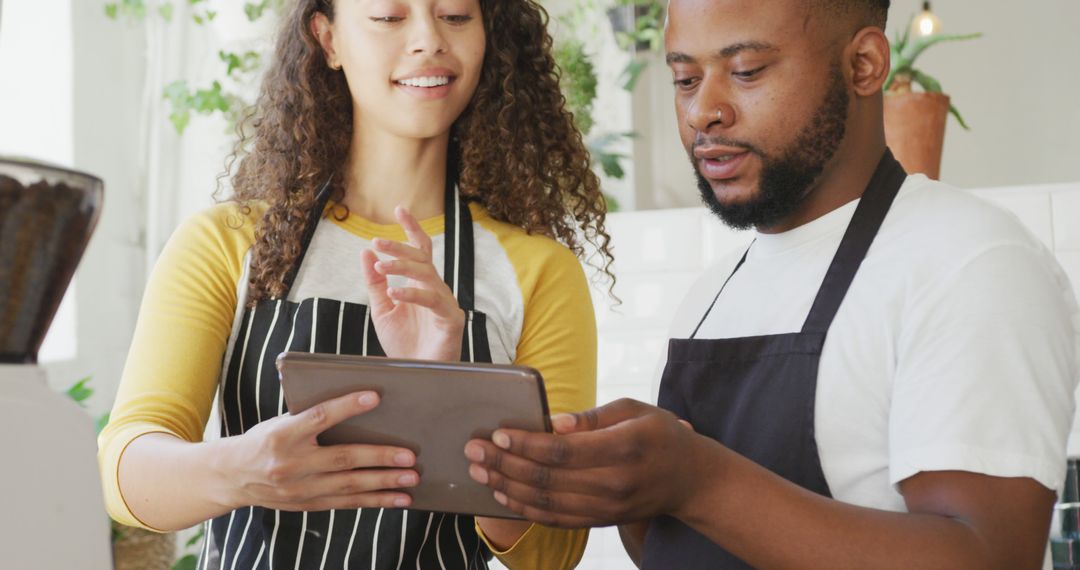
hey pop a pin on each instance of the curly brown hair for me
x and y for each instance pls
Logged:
(515, 147)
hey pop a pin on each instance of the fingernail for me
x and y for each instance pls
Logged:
(501, 439)
(563, 421)
(501, 498)
(404, 459)
(474, 452)
(479, 474)
(407, 480)
(367, 399)
(401, 502)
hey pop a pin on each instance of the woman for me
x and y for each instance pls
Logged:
(374, 112)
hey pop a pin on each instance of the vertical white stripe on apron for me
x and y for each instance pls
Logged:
(304, 515)
(457, 243)
(438, 541)
(207, 534)
(472, 352)
(262, 549)
(330, 530)
(348, 553)
(461, 544)
(288, 346)
(375, 541)
(239, 374)
(420, 553)
(273, 536)
(404, 527)
(225, 545)
(239, 547)
(363, 352)
(262, 361)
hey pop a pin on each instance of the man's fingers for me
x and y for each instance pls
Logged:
(551, 501)
(346, 457)
(317, 419)
(379, 301)
(417, 236)
(547, 518)
(488, 460)
(599, 418)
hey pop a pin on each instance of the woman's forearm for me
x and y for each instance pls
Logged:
(171, 484)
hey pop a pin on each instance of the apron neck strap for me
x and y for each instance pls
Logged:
(322, 197)
(865, 223)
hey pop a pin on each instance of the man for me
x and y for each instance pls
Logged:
(884, 380)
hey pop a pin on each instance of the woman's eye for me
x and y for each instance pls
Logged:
(749, 73)
(387, 19)
(458, 20)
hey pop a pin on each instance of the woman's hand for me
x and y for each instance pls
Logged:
(278, 464)
(421, 320)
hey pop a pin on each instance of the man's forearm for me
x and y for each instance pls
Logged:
(771, 523)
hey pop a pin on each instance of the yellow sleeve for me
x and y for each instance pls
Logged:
(175, 360)
(558, 338)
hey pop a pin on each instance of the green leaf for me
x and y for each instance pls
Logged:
(80, 392)
(166, 11)
(197, 537)
(188, 562)
(111, 11)
(101, 422)
(956, 113)
(180, 120)
(631, 73)
(210, 15)
(928, 83)
(913, 50)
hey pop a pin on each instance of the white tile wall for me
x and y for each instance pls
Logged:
(659, 254)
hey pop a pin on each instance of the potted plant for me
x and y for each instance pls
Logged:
(915, 120)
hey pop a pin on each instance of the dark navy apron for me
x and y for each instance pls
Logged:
(756, 395)
(371, 539)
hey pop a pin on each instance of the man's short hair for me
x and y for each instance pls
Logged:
(867, 12)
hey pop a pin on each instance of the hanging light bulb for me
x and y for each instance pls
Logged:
(926, 23)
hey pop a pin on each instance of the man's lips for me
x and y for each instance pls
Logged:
(719, 162)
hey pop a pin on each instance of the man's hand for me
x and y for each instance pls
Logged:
(623, 462)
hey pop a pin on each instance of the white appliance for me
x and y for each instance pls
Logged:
(54, 512)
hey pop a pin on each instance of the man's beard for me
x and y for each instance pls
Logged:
(786, 180)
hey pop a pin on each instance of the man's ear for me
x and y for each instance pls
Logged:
(324, 33)
(869, 59)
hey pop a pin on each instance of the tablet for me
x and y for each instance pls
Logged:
(431, 408)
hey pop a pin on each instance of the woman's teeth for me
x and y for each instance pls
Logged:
(424, 81)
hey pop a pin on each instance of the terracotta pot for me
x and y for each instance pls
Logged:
(915, 130)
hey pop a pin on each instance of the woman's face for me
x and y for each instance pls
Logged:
(412, 65)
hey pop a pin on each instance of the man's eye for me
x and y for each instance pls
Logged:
(748, 74)
(687, 83)
(458, 20)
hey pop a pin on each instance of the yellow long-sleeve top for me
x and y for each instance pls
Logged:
(532, 289)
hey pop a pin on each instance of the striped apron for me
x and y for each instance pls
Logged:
(256, 537)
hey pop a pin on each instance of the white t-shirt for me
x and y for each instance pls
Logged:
(956, 347)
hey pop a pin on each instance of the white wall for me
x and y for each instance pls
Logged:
(1017, 88)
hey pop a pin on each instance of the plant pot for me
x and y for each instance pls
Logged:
(915, 130)
(138, 549)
